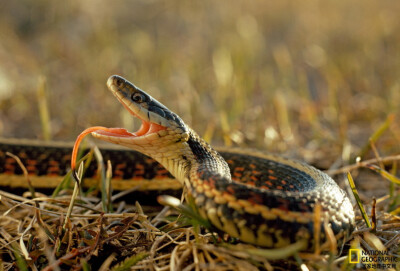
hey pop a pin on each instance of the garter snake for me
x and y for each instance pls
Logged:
(262, 199)
(259, 198)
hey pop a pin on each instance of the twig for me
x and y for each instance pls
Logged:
(25, 171)
(362, 164)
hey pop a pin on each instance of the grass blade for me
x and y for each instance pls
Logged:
(44, 108)
(74, 195)
(360, 206)
(376, 135)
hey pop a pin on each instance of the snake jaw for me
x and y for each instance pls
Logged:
(157, 120)
(161, 130)
(124, 92)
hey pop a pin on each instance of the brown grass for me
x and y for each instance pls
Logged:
(37, 235)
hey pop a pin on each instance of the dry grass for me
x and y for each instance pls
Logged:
(315, 80)
(36, 235)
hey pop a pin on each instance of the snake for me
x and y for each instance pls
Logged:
(257, 197)
(267, 200)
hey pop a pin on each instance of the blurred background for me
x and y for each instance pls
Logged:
(317, 76)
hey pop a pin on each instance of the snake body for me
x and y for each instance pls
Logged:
(264, 199)
(257, 197)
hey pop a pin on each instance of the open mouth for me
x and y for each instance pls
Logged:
(146, 129)
(119, 135)
(147, 126)
(106, 134)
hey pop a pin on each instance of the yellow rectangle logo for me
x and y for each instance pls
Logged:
(354, 255)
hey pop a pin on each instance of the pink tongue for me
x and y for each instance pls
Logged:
(100, 129)
(120, 132)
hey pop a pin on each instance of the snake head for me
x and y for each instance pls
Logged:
(160, 126)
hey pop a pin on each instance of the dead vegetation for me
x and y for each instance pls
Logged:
(40, 233)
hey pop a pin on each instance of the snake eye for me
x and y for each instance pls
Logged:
(138, 97)
(119, 82)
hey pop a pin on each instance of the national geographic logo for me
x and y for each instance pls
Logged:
(373, 259)
(354, 255)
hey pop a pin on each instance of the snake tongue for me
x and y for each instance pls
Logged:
(146, 128)
(120, 132)
(116, 132)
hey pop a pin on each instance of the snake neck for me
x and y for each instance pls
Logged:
(194, 157)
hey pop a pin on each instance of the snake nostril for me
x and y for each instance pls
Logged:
(119, 81)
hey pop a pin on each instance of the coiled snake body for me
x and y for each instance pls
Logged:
(264, 200)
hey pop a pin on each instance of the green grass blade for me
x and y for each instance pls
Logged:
(21, 263)
(376, 135)
(360, 206)
(74, 195)
(384, 174)
(129, 262)
(274, 253)
(189, 210)
(66, 181)
(44, 108)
